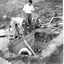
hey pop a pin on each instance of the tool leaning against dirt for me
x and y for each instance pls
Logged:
(29, 46)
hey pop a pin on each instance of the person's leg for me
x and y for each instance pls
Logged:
(29, 19)
(17, 30)
(12, 23)
(30, 22)
(25, 27)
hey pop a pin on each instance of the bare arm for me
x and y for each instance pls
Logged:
(33, 9)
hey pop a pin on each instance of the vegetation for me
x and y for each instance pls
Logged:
(45, 10)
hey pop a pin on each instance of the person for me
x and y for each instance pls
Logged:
(28, 9)
(16, 25)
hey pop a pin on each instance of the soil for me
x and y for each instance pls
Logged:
(41, 39)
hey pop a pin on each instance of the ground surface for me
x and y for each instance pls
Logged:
(55, 58)
(45, 9)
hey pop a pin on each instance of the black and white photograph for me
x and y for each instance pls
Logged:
(31, 31)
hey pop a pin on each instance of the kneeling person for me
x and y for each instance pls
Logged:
(16, 25)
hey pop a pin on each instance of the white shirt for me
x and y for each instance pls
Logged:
(18, 20)
(28, 8)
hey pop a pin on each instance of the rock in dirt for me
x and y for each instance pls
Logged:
(3, 61)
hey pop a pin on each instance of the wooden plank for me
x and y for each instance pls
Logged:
(17, 45)
(19, 57)
(46, 30)
(18, 40)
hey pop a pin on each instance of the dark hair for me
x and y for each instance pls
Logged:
(30, 1)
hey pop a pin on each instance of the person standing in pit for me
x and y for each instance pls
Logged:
(28, 9)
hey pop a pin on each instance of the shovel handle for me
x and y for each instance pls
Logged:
(29, 47)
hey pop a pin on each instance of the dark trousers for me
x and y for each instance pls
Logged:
(28, 22)
(29, 19)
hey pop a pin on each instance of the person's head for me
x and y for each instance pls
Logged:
(30, 1)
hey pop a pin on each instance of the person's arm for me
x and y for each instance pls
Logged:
(23, 8)
(23, 11)
(33, 8)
